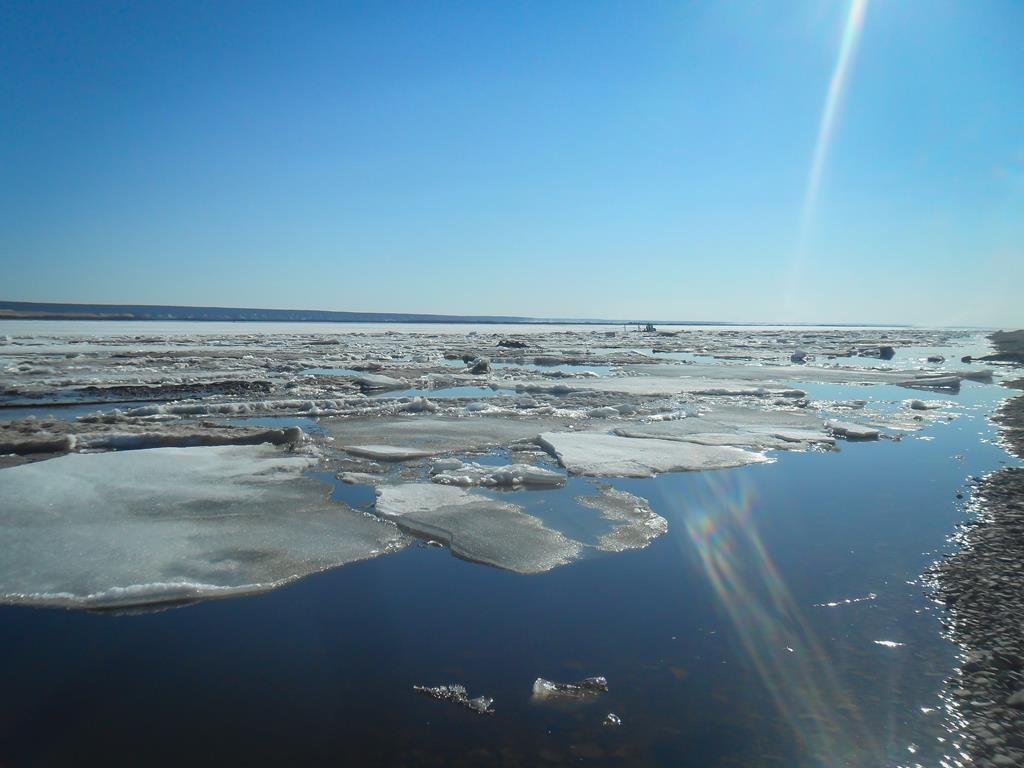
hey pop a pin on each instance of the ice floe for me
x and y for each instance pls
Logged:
(476, 527)
(425, 404)
(853, 431)
(601, 455)
(172, 524)
(636, 523)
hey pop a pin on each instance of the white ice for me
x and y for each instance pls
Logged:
(476, 526)
(469, 474)
(172, 524)
(600, 455)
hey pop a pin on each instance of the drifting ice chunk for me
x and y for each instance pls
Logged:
(508, 476)
(600, 455)
(638, 524)
(387, 452)
(544, 690)
(376, 381)
(925, 405)
(476, 527)
(358, 478)
(420, 405)
(456, 694)
(933, 382)
(852, 431)
(172, 524)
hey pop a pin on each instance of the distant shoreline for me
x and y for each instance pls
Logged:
(26, 310)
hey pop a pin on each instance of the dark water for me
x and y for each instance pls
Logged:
(716, 642)
(66, 412)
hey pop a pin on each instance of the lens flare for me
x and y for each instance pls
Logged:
(770, 627)
(826, 126)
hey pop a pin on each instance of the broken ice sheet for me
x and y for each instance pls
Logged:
(433, 435)
(476, 526)
(636, 523)
(599, 455)
(172, 524)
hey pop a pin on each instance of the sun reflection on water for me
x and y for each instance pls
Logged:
(769, 626)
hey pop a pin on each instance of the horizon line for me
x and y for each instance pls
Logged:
(73, 311)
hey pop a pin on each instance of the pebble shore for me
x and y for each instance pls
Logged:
(982, 585)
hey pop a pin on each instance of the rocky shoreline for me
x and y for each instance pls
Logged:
(983, 589)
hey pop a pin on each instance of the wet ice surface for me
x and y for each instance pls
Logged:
(723, 603)
(476, 527)
(171, 524)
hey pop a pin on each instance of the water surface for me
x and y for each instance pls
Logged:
(781, 621)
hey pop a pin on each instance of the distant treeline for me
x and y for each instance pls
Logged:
(32, 310)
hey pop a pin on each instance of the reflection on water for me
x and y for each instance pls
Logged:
(770, 626)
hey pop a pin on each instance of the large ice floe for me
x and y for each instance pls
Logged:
(597, 455)
(481, 441)
(172, 524)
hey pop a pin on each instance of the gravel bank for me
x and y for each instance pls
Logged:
(983, 587)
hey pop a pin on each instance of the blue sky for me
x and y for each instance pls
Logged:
(551, 158)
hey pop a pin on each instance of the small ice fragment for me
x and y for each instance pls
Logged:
(847, 601)
(852, 431)
(443, 465)
(613, 720)
(889, 643)
(420, 405)
(480, 365)
(923, 405)
(372, 381)
(456, 694)
(586, 688)
(636, 524)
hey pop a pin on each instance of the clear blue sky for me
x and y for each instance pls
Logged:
(627, 159)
